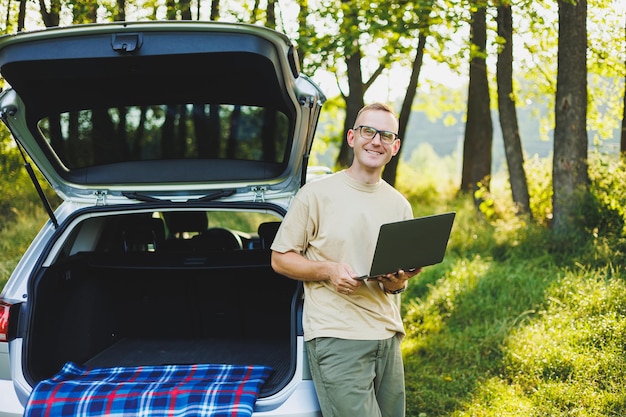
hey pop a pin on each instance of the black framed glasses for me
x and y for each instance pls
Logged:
(368, 133)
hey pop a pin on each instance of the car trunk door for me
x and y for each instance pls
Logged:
(160, 110)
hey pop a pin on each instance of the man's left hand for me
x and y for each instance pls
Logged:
(397, 280)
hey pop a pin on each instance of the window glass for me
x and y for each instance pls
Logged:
(158, 132)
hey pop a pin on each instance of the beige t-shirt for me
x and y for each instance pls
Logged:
(337, 218)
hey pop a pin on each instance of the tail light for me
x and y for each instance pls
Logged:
(4, 321)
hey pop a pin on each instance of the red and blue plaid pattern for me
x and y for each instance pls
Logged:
(154, 391)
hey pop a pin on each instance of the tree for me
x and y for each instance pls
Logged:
(215, 10)
(356, 89)
(178, 9)
(84, 12)
(389, 174)
(21, 17)
(507, 112)
(569, 171)
(50, 15)
(419, 23)
(478, 129)
(360, 42)
(119, 14)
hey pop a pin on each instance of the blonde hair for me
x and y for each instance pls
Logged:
(376, 106)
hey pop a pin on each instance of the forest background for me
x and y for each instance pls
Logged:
(511, 114)
(468, 64)
(556, 66)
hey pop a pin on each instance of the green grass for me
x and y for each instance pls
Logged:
(512, 325)
(537, 342)
(515, 338)
(15, 238)
(509, 324)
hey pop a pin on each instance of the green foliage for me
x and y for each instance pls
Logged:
(19, 196)
(457, 324)
(16, 236)
(424, 191)
(329, 134)
(509, 324)
(442, 103)
(21, 211)
(603, 213)
(246, 222)
(539, 178)
(573, 345)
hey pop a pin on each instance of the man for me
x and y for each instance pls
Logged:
(353, 328)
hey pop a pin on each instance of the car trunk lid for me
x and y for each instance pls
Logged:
(160, 110)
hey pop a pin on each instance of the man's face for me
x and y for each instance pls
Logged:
(375, 152)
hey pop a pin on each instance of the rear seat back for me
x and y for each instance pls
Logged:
(216, 238)
(267, 232)
(142, 233)
(189, 231)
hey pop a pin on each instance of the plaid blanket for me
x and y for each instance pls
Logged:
(154, 391)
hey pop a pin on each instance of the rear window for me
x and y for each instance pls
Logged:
(92, 137)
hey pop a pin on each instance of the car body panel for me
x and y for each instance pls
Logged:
(10, 405)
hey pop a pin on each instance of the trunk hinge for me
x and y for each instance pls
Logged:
(101, 197)
(259, 194)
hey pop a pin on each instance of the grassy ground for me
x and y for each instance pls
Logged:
(515, 338)
(15, 238)
(505, 326)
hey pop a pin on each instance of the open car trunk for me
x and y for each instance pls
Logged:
(161, 304)
(147, 131)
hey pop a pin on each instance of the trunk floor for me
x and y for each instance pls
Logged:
(136, 352)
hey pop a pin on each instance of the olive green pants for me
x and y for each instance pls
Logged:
(363, 378)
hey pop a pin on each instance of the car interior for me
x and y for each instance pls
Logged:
(166, 288)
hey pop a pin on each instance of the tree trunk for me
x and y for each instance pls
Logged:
(215, 10)
(569, 171)
(120, 13)
(478, 128)
(185, 9)
(390, 172)
(270, 15)
(508, 114)
(170, 9)
(21, 17)
(354, 100)
(50, 17)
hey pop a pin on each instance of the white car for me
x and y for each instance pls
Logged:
(176, 148)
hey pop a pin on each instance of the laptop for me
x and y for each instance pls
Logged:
(411, 244)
